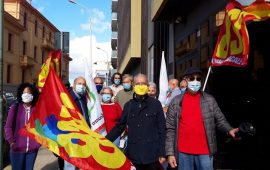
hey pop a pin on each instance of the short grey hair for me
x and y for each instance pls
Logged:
(152, 84)
(106, 88)
(130, 77)
(141, 75)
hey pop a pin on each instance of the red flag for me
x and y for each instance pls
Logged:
(53, 61)
(232, 47)
(57, 124)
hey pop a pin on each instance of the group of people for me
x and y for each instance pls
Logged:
(181, 132)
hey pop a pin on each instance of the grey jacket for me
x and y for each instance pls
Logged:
(212, 117)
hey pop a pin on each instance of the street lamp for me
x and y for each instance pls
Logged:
(108, 64)
(89, 13)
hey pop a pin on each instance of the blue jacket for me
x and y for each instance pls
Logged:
(146, 130)
(82, 106)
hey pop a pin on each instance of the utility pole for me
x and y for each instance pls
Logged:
(1, 81)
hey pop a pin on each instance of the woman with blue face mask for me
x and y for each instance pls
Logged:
(116, 84)
(111, 111)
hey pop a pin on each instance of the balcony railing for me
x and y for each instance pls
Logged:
(26, 61)
(114, 53)
(114, 21)
(114, 16)
(47, 44)
(114, 35)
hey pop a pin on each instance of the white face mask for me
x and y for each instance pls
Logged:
(27, 97)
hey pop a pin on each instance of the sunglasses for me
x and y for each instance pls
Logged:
(193, 78)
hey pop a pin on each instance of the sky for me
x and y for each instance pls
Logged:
(75, 19)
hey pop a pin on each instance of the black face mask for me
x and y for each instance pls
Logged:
(99, 87)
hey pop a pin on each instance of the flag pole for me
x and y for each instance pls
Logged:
(206, 79)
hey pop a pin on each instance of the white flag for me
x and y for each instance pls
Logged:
(93, 104)
(163, 82)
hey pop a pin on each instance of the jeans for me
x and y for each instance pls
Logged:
(22, 161)
(69, 166)
(117, 142)
(195, 162)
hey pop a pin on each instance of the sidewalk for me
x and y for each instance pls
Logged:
(45, 161)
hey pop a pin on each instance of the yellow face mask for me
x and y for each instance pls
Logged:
(141, 89)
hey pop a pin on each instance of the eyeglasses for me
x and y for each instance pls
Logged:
(193, 78)
(98, 83)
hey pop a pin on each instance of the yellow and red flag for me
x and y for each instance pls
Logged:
(53, 61)
(232, 47)
(57, 124)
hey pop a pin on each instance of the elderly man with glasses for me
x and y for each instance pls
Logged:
(190, 126)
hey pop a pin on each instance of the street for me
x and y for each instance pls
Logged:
(45, 161)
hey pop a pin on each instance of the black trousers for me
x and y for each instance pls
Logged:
(152, 166)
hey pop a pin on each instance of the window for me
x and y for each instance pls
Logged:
(35, 53)
(43, 32)
(23, 75)
(219, 18)
(42, 56)
(36, 28)
(10, 37)
(24, 47)
(50, 36)
(8, 73)
(25, 20)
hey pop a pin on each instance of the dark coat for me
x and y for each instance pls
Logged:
(146, 130)
(76, 98)
(212, 118)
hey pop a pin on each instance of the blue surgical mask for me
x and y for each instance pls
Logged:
(194, 85)
(116, 81)
(106, 98)
(126, 86)
(80, 89)
(99, 87)
(183, 89)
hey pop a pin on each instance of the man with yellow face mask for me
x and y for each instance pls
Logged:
(145, 121)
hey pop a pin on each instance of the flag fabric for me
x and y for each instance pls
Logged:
(232, 46)
(53, 61)
(163, 82)
(93, 104)
(57, 125)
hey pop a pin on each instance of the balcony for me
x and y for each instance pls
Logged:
(47, 44)
(114, 5)
(114, 58)
(183, 48)
(114, 40)
(114, 21)
(26, 61)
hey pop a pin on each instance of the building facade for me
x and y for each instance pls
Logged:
(126, 39)
(28, 38)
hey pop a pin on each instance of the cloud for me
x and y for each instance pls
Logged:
(80, 49)
(40, 9)
(98, 21)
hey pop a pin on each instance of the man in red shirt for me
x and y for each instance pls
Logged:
(190, 126)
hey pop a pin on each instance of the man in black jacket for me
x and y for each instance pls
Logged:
(145, 120)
